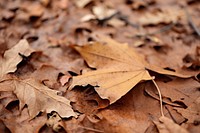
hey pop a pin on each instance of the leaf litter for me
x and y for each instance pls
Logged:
(168, 40)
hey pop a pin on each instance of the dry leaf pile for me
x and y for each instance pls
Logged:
(87, 66)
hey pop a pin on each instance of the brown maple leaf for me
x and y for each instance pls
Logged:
(11, 57)
(119, 68)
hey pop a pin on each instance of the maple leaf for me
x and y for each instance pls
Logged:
(11, 57)
(38, 97)
(119, 68)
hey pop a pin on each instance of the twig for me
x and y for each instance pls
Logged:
(160, 97)
(161, 30)
(104, 20)
(191, 22)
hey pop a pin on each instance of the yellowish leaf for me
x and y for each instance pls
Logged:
(119, 68)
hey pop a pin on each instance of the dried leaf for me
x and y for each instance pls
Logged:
(116, 22)
(88, 17)
(38, 97)
(21, 123)
(102, 12)
(54, 121)
(35, 9)
(12, 58)
(82, 3)
(192, 112)
(166, 125)
(119, 68)
(166, 16)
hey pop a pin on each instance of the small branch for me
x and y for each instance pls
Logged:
(103, 21)
(161, 30)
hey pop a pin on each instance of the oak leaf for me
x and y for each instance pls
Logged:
(11, 57)
(119, 68)
(38, 97)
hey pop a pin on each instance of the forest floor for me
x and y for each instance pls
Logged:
(36, 75)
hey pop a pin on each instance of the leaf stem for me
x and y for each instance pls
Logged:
(160, 97)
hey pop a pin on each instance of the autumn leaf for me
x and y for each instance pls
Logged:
(119, 68)
(20, 122)
(166, 125)
(38, 97)
(172, 15)
(192, 112)
(11, 57)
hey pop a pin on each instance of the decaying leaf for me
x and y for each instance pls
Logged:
(178, 91)
(12, 58)
(38, 97)
(162, 16)
(35, 9)
(192, 112)
(21, 123)
(82, 3)
(54, 121)
(166, 125)
(119, 68)
(116, 22)
(102, 12)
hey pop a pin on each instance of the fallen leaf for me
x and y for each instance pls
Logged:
(102, 12)
(178, 91)
(86, 100)
(88, 17)
(172, 15)
(82, 3)
(48, 75)
(137, 4)
(116, 22)
(192, 112)
(6, 98)
(131, 114)
(119, 68)
(38, 97)
(63, 4)
(166, 125)
(45, 2)
(7, 15)
(11, 57)
(34, 9)
(54, 121)
(21, 123)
